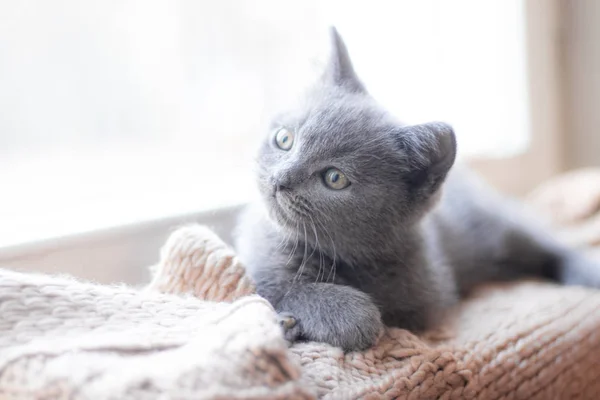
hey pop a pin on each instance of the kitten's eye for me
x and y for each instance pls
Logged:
(335, 179)
(284, 139)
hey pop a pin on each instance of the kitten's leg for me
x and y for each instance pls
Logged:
(324, 312)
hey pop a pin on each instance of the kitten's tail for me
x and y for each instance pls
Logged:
(577, 268)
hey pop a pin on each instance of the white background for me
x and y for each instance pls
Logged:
(117, 112)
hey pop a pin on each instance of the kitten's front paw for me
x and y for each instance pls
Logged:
(360, 332)
(290, 326)
(350, 321)
(325, 312)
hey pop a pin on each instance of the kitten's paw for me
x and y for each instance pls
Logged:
(362, 332)
(350, 321)
(290, 326)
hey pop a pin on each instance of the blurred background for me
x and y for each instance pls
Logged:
(121, 120)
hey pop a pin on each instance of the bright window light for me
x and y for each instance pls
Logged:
(121, 111)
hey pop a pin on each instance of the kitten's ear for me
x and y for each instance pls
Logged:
(339, 70)
(430, 150)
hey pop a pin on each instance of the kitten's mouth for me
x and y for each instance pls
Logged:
(285, 207)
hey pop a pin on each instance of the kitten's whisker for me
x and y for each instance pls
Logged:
(295, 245)
(324, 215)
(304, 258)
(317, 246)
(292, 256)
(316, 237)
(321, 265)
(286, 237)
(333, 265)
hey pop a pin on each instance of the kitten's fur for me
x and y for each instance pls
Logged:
(336, 264)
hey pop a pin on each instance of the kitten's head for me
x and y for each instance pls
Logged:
(341, 165)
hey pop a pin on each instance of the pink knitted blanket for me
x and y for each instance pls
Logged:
(60, 338)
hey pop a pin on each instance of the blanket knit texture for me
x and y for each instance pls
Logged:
(198, 332)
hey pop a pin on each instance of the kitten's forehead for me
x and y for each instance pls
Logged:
(342, 122)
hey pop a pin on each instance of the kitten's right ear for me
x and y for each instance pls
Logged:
(430, 151)
(339, 70)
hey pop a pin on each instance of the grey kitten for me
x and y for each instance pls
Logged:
(353, 230)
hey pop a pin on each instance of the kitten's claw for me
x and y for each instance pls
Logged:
(286, 321)
(290, 326)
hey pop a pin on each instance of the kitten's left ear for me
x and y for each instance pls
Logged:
(430, 150)
(339, 70)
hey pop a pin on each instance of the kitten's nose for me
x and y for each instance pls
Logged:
(288, 179)
(281, 183)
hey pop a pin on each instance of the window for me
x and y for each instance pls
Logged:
(119, 112)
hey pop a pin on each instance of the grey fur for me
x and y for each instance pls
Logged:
(338, 264)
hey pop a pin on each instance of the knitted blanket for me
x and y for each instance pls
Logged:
(60, 339)
(198, 331)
